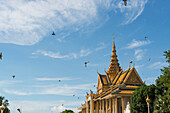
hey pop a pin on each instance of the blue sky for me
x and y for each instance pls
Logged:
(84, 32)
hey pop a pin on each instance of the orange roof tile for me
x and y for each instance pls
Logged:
(127, 92)
(132, 86)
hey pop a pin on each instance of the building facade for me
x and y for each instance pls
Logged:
(114, 89)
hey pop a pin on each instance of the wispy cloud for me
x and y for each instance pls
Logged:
(158, 65)
(139, 66)
(43, 106)
(64, 89)
(139, 54)
(150, 80)
(101, 46)
(136, 43)
(28, 21)
(57, 55)
(57, 109)
(84, 52)
(53, 79)
(133, 10)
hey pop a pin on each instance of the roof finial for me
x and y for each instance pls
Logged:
(113, 44)
(130, 63)
(133, 64)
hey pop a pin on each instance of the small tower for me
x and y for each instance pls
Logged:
(114, 67)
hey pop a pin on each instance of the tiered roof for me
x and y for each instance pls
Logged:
(116, 78)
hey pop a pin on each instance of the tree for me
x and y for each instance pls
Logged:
(68, 111)
(138, 99)
(80, 112)
(6, 104)
(162, 102)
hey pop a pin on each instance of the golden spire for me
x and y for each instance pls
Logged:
(114, 65)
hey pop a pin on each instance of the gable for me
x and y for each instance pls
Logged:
(99, 84)
(133, 78)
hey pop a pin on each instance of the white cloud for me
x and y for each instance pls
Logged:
(158, 65)
(133, 10)
(84, 52)
(139, 54)
(50, 54)
(43, 106)
(26, 22)
(101, 46)
(55, 89)
(136, 43)
(150, 80)
(53, 79)
(58, 109)
(139, 66)
(57, 55)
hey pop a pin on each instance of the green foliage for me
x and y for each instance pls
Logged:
(138, 99)
(6, 104)
(162, 102)
(80, 112)
(68, 111)
(159, 94)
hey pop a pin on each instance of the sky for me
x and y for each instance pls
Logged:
(84, 32)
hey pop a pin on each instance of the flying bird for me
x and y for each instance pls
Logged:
(59, 80)
(13, 76)
(78, 97)
(86, 63)
(94, 85)
(1, 55)
(125, 2)
(131, 61)
(149, 59)
(53, 33)
(73, 95)
(62, 104)
(146, 37)
(19, 110)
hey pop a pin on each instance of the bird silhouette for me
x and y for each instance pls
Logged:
(94, 86)
(73, 95)
(59, 80)
(125, 2)
(86, 63)
(149, 59)
(19, 110)
(78, 97)
(62, 104)
(13, 76)
(1, 55)
(53, 33)
(146, 37)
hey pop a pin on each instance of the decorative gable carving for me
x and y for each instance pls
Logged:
(99, 84)
(134, 78)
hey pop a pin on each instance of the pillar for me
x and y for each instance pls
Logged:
(123, 105)
(97, 107)
(100, 106)
(110, 105)
(87, 107)
(113, 104)
(103, 106)
(91, 106)
(106, 106)
(116, 110)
